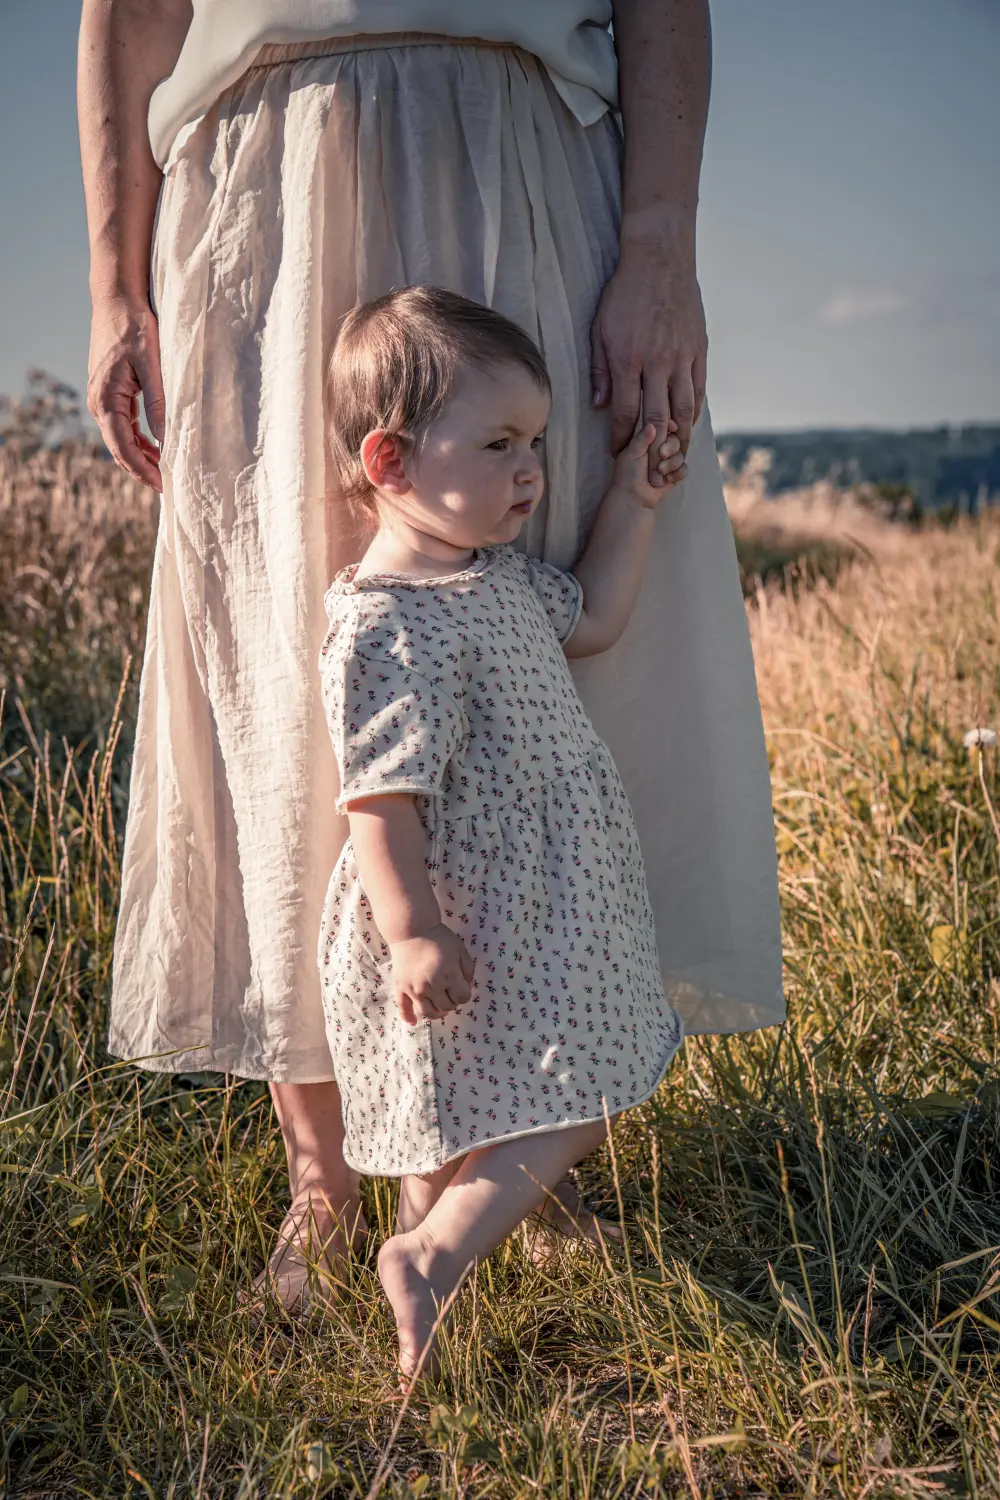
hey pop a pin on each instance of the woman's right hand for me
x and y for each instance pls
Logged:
(431, 974)
(124, 362)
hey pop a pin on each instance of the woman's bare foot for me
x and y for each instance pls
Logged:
(404, 1269)
(325, 1217)
(305, 1270)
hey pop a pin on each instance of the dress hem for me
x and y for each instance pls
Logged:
(194, 1060)
(514, 1135)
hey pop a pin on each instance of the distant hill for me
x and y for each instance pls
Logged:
(941, 467)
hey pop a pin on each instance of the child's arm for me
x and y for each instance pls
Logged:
(431, 966)
(611, 566)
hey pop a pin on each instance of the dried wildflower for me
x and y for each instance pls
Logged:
(981, 737)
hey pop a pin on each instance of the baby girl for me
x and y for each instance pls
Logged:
(490, 975)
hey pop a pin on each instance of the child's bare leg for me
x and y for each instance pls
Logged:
(418, 1194)
(565, 1216)
(490, 1193)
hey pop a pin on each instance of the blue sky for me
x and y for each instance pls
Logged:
(849, 240)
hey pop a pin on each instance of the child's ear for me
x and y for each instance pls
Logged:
(382, 456)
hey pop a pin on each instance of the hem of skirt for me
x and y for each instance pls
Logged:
(741, 1028)
(203, 1060)
(738, 1016)
(369, 1170)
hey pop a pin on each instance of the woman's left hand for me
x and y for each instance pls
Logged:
(650, 347)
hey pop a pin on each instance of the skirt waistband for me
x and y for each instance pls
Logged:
(273, 53)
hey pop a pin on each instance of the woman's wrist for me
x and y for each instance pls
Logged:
(663, 234)
(115, 292)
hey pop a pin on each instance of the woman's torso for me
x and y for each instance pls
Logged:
(571, 37)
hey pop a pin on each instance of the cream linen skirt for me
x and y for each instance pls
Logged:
(328, 174)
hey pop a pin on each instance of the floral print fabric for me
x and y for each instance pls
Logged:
(457, 690)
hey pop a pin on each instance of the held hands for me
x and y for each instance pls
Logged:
(431, 974)
(638, 461)
(653, 364)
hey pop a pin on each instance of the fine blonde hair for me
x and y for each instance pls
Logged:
(395, 363)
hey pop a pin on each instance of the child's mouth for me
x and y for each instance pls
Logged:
(523, 507)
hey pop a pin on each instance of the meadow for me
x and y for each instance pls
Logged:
(808, 1301)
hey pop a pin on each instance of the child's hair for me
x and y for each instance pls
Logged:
(395, 363)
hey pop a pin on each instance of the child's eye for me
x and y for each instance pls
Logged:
(537, 442)
(500, 446)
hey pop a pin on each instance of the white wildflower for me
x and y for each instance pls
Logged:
(981, 737)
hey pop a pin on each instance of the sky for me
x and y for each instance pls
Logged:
(849, 232)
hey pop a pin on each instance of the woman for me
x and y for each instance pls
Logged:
(305, 167)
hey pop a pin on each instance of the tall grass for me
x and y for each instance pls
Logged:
(809, 1299)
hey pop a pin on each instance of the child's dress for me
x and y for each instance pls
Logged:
(456, 689)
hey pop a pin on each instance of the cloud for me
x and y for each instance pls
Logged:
(860, 305)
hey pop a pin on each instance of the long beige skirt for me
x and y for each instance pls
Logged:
(327, 175)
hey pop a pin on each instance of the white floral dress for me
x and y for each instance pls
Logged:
(456, 690)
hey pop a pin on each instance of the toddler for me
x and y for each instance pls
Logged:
(490, 975)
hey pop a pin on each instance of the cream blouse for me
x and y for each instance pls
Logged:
(570, 37)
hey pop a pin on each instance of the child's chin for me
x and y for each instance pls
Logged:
(509, 529)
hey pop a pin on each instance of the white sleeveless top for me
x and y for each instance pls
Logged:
(570, 37)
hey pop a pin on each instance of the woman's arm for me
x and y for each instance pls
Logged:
(650, 347)
(126, 48)
(431, 967)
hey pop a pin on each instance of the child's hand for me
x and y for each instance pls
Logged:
(631, 475)
(431, 974)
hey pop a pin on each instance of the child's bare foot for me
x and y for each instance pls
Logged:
(404, 1271)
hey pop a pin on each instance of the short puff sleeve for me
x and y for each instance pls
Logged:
(393, 730)
(560, 593)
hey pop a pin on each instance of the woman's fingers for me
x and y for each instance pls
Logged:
(124, 366)
(699, 379)
(626, 393)
(115, 407)
(600, 371)
(152, 388)
(656, 409)
(682, 403)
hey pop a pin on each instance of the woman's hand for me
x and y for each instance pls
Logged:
(431, 974)
(124, 361)
(649, 345)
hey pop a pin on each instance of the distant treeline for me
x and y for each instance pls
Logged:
(941, 467)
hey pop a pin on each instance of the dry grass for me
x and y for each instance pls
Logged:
(810, 1302)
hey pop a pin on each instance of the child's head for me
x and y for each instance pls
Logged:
(437, 409)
